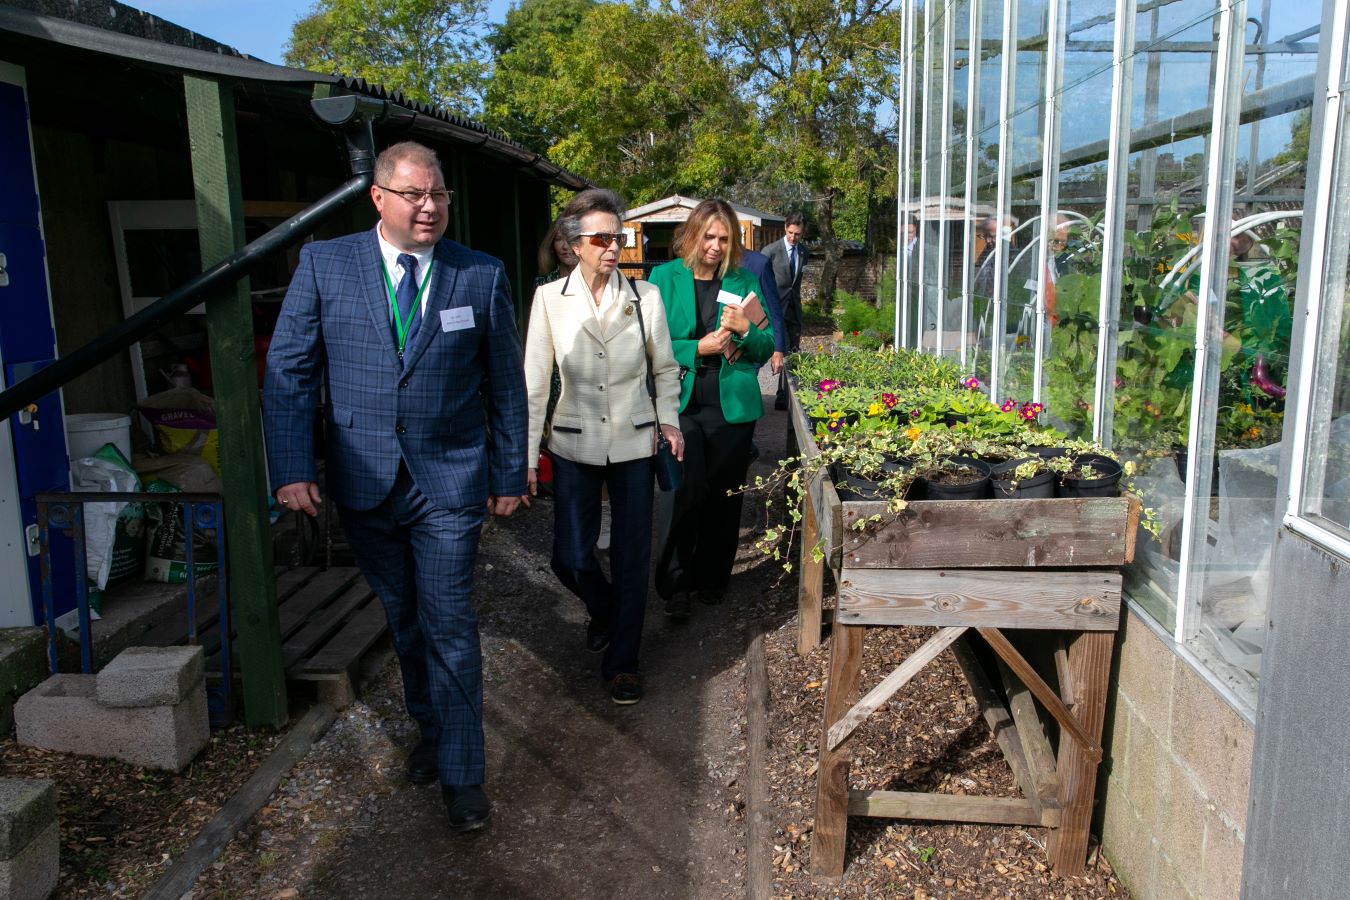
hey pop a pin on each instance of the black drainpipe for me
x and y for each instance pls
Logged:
(356, 115)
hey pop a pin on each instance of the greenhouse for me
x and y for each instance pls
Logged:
(1133, 219)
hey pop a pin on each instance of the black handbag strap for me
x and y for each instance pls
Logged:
(642, 327)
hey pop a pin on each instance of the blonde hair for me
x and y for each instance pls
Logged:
(689, 236)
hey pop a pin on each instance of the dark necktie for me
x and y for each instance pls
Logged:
(792, 256)
(406, 295)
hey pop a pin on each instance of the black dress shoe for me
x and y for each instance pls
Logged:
(597, 635)
(677, 606)
(422, 766)
(466, 806)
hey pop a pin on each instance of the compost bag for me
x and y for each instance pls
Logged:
(166, 541)
(114, 533)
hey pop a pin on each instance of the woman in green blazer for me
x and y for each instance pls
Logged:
(719, 350)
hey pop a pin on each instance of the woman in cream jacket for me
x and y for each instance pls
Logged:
(603, 430)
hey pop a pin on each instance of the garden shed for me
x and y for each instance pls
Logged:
(651, 228)
(104, 110)
(1170, 281)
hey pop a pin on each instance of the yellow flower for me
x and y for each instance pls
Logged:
(875, 409)
(1244, 408)
(912, 433)
(1253, 433)
(1161, 268)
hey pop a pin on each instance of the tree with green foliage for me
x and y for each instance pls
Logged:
(819, 71)
(621, 93)
(428, 49)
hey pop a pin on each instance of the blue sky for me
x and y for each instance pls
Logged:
(257, 27)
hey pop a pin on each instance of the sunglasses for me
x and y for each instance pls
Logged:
(604, 238)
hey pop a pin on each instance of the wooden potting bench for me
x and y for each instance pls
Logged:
(1047, 569)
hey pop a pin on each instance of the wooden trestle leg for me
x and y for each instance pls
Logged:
(830, 835)
(811, 589)
(1090, 672)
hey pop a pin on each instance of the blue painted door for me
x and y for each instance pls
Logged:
(28, 342)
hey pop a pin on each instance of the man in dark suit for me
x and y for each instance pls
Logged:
(788, 257)
(762, 267)
(415, 339)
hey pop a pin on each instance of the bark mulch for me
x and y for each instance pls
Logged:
(928, 737)
(121, 825)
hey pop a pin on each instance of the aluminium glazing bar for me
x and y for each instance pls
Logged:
(921, 281)
(1209, 308)
(1007, 83)
(1113, 243)
(901, 170)
(972, 129)
(944, 176)
(1054, 65)
(1321, 325)
(908, 286)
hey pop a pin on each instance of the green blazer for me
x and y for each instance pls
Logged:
(739, 381)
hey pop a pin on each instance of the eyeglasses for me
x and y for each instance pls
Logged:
(440, 196)
(604, 238)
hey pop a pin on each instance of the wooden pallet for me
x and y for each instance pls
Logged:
(330, 620)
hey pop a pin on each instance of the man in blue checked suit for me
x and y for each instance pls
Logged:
(415, 339)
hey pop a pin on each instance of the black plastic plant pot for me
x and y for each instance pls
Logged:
(1039, 486)
(853, 487)
(1182, 458)
(1105, 484)
(940, 486)
(952, 419)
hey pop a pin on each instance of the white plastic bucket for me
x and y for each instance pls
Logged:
(86, 433)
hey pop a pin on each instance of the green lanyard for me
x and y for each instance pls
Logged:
(401, 327)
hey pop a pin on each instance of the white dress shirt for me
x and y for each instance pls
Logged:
(390, 254)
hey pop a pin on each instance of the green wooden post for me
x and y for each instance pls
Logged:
(229, 323)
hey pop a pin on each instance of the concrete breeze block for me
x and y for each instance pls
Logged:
(64, 714)
(32, 874)
(27, 806)
(151, 676)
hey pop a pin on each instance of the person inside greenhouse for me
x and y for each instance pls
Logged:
(720, 348)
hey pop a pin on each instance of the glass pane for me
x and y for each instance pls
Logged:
(1168, 24)
(960, 12)
(1170, 120)
(981, 259)
(991, 62)
(1254, 365)
(1074, 266)
(1328, 487)
(1032, 49)
(1016, 378)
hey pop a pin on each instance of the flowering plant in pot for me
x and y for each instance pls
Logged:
(1028, 477)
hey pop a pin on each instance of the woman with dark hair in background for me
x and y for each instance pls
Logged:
(719, 351)
(601, 329)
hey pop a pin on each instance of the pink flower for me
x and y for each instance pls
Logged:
(889, 400)
(1009, 405)
(830, 384)
(972, 382)
(834, 424)
(913, 413)
(1031, 410)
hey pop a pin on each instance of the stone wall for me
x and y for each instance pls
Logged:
(1174, 815)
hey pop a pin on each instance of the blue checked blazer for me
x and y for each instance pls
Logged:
(454, 409)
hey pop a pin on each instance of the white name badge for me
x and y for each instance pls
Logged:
(457, 318)
(730, 299)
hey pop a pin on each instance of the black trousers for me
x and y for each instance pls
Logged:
(700, 524)
(576, 511)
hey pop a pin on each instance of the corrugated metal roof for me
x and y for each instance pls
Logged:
(428, 120)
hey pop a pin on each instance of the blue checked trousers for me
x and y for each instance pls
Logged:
(418, 559)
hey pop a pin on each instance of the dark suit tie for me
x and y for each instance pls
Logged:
(792, 261)
(406, 295)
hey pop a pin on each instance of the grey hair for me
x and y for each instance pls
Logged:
(391, 156)
(588, 201)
